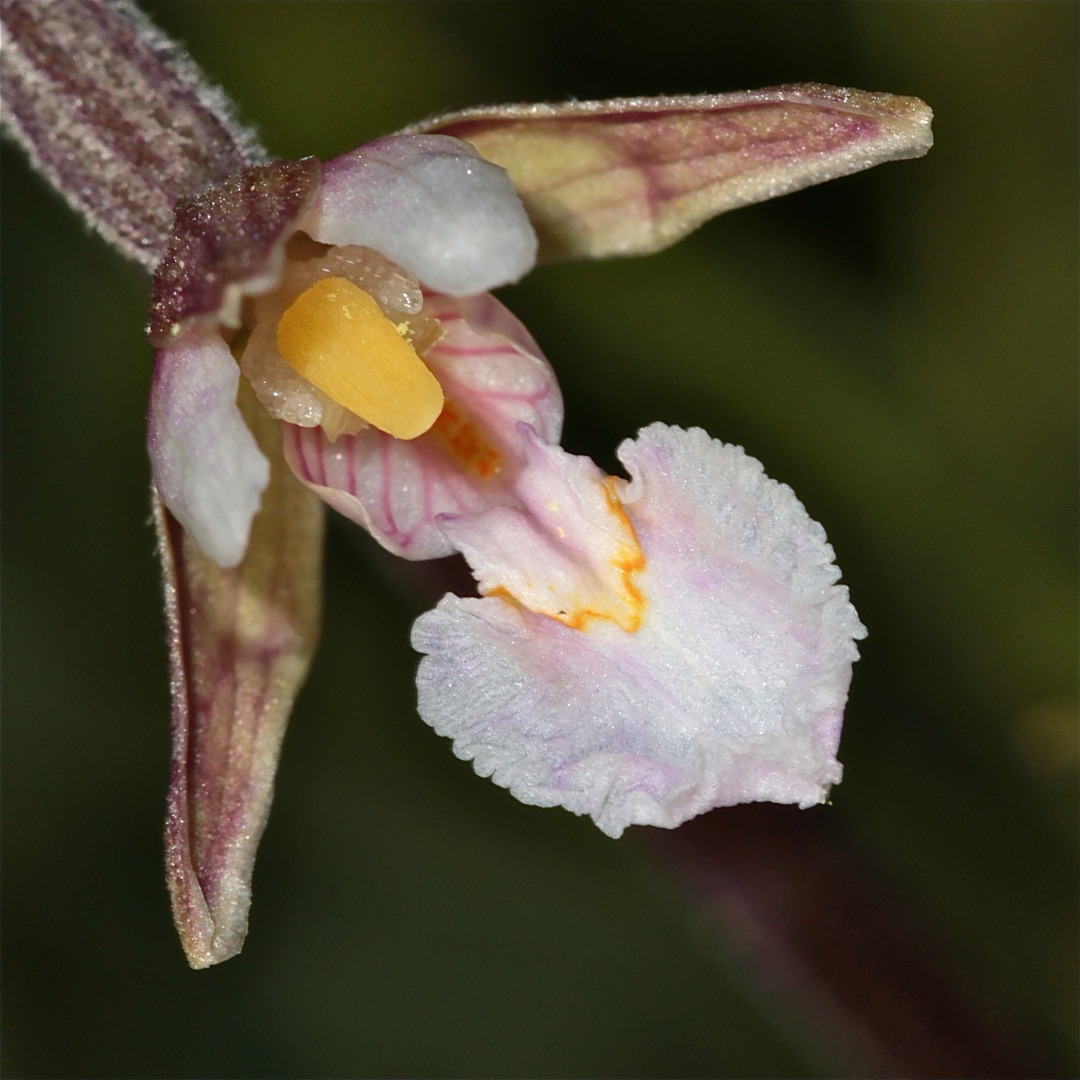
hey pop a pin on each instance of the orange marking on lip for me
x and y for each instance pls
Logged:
(622, 603)
(463, 439)
(629, 561)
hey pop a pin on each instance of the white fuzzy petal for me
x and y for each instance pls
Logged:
(732, 690)
(432, 205)
(206, 464)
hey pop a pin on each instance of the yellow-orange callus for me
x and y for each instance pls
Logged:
(337, 338)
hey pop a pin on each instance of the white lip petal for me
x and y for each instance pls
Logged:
(732, 690)
(432, 205)
(207, 465)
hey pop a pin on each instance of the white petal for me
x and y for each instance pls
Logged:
(207, 466)
(432, 205)
(732, 690)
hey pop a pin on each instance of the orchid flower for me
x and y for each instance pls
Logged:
(643, 649)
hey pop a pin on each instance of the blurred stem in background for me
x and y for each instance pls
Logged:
(900, 348)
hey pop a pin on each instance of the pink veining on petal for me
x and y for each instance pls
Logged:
(494, 377)
(570, 553)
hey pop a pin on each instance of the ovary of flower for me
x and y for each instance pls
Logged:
(335, 335)
(571, 554)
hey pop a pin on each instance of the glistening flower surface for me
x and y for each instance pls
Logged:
(444, 218)
(644, 651)
(494, 377)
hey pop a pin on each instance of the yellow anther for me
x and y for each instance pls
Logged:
(337, 338)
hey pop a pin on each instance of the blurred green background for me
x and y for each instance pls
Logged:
(899, 346)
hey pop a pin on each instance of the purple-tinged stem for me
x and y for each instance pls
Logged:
(115, 117)
(789, 894)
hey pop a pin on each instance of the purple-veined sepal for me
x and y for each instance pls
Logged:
(494, 377)
(631, 176)
(732, 688)
(119, 120)
(240, 642)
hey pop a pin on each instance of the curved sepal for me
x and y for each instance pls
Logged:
(240, 642)
(633, 175)
(118, 119)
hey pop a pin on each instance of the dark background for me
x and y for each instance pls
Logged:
(899, 346)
